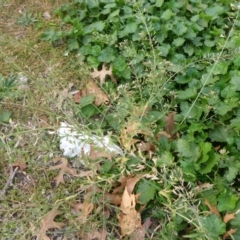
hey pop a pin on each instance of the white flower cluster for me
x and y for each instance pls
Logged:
(74, 143)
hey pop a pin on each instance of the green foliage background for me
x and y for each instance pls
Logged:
(185, 53)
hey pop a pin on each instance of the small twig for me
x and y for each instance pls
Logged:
(9, 181)
(155, 231)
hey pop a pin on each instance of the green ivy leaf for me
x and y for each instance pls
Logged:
(95, 50)
(235, 123)
(227, 201)
(89, 99)
(73, 44)
(209, 43)
(92, 3)
(235, 81)
(159, 3)
(107, 55)
(213, 158)
(218, 134)
(88, 110)
(231, 173)
(167, 14)
(96, 26)
(147, 190)
(214, 226)
(214, 11)
(178, 42)
(93, 61)
(187, 94)
(188, 149)
(166, 159)
(220, 68)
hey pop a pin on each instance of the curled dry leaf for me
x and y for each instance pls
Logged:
(213, 209)
(103, 74)
(228, 217)
(161, 134)
(129, 219)
(48, 223)
(229, 233)
(64, 168)
(170, 123)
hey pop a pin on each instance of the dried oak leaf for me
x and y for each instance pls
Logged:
(213, 209)
(128, 182)
(86, 208)
(229, 233)
(228, 217)
(92, 88)
(129, 219)
(47, 223)
(64, 168)
(103, 74)
(130, 130)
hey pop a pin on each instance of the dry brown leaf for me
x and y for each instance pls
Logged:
(20, 164)
(161, 134)
(48, 223)
(128, 202)
(113, 198)
(92, 88)
(85, 207)
(139, 234)
(103, 211)
(97, 153)
(77, 97)
(129, 219)
(93, 234)
(131, 130)
(131, 182)
(229, 233)
(127, 141)
(170, 123)
(64, 168)
(146, 147)
(43, 121)
(228, 217)
(103, 74)
(213, 209)
(128, 181)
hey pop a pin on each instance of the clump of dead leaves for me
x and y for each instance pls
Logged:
(91, 87)
(121, 196)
